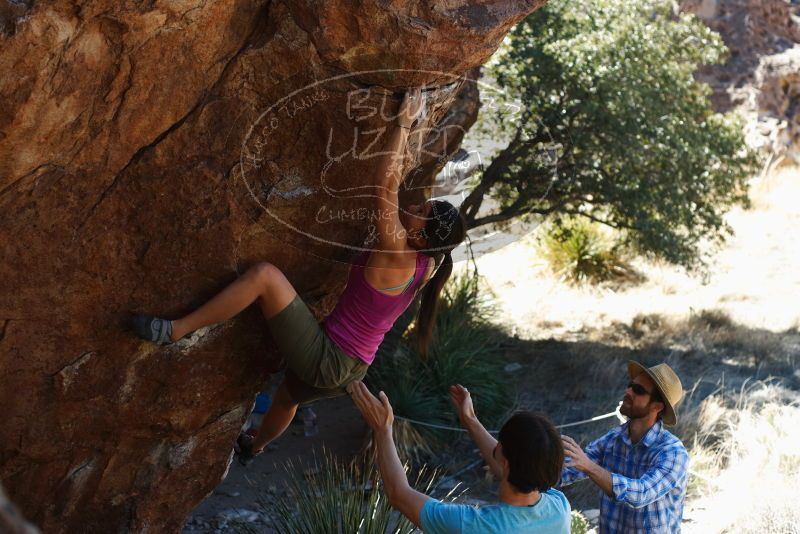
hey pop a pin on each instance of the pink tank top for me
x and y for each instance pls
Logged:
(363, 314)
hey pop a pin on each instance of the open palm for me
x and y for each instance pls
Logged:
(462, 403)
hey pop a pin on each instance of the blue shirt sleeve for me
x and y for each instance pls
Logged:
(437, 517)
(670, 471)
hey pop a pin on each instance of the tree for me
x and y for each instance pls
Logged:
(608, 122)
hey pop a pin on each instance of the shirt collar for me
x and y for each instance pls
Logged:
(622, 433)
(649, 438)
(652, 435)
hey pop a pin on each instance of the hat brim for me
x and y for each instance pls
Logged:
(669, 417)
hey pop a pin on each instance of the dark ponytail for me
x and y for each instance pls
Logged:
(430, 305)
(444, 231)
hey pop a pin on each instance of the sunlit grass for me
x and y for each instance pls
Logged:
(579, 251)
(746, 462)
(579, 524)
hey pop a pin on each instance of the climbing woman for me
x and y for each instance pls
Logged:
(323, 359)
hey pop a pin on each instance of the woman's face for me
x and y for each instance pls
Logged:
(415, 217)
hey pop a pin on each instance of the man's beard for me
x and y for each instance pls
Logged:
(631, 412)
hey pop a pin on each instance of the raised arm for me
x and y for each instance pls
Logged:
(580, 461)
(570, 472)
(462, 402)
(379, 416)
(389, 174)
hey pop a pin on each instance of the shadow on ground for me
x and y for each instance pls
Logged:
(585, 374)
(576, 377)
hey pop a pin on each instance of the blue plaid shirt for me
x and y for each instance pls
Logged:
(649, 480)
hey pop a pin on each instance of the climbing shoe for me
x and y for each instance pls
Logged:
(244, 449)
(152, 328)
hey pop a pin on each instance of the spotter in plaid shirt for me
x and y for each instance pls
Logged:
(641, 468)
(648, 480)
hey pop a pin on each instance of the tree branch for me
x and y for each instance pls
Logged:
(516, 210)
(490, 176)
(616, 226)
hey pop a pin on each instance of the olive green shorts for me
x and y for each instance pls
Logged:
(316, 367)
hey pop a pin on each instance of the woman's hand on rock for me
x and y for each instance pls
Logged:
(411, 108)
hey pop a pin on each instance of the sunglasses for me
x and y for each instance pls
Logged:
(638, 389)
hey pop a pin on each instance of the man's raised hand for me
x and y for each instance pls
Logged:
(574, 455)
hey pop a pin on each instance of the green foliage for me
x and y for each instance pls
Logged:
(580, 251)
(340, 497)
(465, 349)
(578, 523)
(605, 119)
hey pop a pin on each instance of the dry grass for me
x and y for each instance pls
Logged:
(727, 336)
(754, 278)
(745, 461)
(725, 366)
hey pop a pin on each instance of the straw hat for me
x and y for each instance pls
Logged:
(668, 384)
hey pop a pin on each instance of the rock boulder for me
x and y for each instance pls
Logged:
(760, 78)
(149, 152)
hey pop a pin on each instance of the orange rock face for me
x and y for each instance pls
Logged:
(149, 152)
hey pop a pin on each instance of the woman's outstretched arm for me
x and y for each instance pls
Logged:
(391, 234)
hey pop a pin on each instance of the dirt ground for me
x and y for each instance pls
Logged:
(733, 326)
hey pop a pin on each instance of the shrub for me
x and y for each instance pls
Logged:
(340, 497)
(579, 524)
(579, 251)
(465, 349)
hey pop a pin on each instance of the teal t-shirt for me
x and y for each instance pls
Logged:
(551, 515)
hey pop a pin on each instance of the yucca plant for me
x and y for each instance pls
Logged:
(579, 251)
(578, 523)
(465, 349)
(341, 497)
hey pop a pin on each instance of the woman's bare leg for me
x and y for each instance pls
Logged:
(277, 419)
(263, 281)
